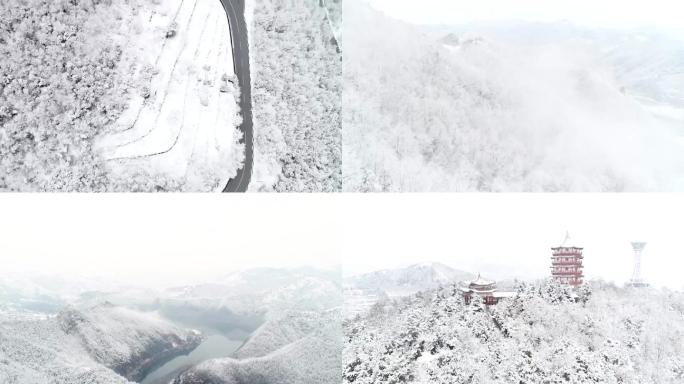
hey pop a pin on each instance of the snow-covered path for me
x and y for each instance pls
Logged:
(182, 126)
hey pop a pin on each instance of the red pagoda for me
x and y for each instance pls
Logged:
(566, 264)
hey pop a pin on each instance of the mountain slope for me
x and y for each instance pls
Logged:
(313, 357)
(548, 333)
(102, 345)
(297, 96)
(492, 115)
(286, 329)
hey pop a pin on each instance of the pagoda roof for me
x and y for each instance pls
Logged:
(481, 281)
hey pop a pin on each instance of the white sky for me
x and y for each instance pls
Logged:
(162, 239)
(509, 235)
(596, 13)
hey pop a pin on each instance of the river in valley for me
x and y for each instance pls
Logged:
(214, 346)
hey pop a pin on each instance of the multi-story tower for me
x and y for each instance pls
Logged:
(637, 280)
(566, 263)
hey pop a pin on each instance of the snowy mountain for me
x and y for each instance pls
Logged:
(286, 329)
(405, 281)
(363, 291)
(284, 317)
(548, 333)
(264, 290)
(647, 62)
(304, 349)
(45, 293)
(105, 344)
(481, 111)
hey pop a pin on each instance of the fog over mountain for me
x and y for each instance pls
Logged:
(363, 291)
(411, 279)
(108, 332)
(576, 110)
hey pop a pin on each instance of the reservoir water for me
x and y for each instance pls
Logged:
(215, 346)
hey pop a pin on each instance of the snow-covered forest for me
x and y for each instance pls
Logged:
(556, 108)
(58, 89)
(102, 344)
(119, 95)
(57, 329)
(549, 333)
(299, 347)
(296, 76)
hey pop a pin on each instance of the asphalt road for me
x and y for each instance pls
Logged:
(235, 9)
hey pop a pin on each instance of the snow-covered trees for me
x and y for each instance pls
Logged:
(296, 97)
(82, 82)
(310, 355)
(104, 344)
(484, 114)
(548, 333)
(58, 89)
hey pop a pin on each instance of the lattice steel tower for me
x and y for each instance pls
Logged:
(637, 280)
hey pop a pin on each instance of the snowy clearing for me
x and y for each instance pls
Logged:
(181, 122)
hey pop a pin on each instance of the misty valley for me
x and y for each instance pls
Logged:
(255, 326)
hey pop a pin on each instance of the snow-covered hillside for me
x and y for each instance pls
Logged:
(285, 317)
(178, 130)
(296, 71)
(121, 95)
(306, 353)
(104, 344)
(480, 112)
(548, 333)
(286, 329)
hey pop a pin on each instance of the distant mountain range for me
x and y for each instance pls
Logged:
(648, 63)
(292, 317)
(363, 291)
(408, 280)
(249, 292)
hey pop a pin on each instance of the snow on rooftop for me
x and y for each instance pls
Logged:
(480, 281)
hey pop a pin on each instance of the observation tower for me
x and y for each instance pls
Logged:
(637, 280)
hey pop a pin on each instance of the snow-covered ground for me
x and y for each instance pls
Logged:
(180, 124)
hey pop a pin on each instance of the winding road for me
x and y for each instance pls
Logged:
(235, 10)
